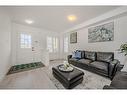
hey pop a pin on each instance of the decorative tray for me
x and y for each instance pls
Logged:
(65, 68)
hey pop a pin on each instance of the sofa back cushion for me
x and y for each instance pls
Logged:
(90, 55)
(105, 56)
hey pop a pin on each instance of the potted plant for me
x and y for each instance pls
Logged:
(123, 49)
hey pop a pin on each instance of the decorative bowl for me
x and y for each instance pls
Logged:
(65, 68)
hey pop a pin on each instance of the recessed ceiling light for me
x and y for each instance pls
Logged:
(29, 21)
(72, 17)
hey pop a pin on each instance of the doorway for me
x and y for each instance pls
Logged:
(28, 47)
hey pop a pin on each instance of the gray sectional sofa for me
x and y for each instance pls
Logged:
(102, 63)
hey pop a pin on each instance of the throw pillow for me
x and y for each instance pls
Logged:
(78, 54)
(125, 67)
(73, 54)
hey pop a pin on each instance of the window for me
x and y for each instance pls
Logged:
(65, 44)
(55, 44)
(52, 44)
(49, 44)
(25, 41)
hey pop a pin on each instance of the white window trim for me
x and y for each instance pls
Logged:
(54, 44)
(25, 41)
(66, 44)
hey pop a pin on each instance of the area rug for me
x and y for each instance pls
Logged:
(90, 80)
(25, 67)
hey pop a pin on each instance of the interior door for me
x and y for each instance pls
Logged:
(28, 47)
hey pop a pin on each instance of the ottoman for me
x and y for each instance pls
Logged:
(68, 79)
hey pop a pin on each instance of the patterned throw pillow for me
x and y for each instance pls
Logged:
(73, 54)
(76, 54)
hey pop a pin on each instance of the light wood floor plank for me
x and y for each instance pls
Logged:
(33, 79)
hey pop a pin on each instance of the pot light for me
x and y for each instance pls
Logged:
(72, 17)
(29, 21)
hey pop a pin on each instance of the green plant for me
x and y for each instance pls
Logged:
(123, 49)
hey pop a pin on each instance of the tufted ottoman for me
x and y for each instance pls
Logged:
(68, 79)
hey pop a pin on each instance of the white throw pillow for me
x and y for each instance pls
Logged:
(124, 67)
(73, 54)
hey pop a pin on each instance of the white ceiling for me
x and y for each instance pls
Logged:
(54, 18)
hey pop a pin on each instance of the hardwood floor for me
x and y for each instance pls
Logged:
(33, 79)
(42, 78)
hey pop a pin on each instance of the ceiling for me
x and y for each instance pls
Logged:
(54, 18)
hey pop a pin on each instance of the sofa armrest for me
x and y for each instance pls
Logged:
(112, 67)
(68, 57)
(119, 67)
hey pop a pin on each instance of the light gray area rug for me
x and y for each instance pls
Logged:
(90, 81)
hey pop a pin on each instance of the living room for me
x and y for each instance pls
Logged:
(33, 46)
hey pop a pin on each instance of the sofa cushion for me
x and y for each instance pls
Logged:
(105, 56)
(100, 65)
(120, 80)
(73, 59)
(85, 61)
(90, 55)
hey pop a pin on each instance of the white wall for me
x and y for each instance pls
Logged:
(41, 35)
(63, 55)
(120, 36)
(5, 45)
